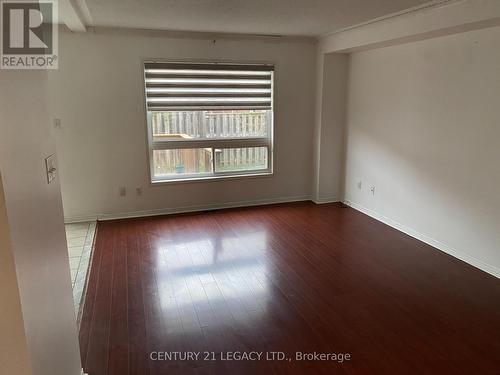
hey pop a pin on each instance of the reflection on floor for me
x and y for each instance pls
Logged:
(80, 237)
(282, 279)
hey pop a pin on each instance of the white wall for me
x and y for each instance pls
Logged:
(14, 356)
(36, 228)
(332, 73)
(423, 127)
(98, 95)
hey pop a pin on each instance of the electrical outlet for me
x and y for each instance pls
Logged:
(360, 185)
(123, 191)
(57, 123)
(138, 191)
(372, 189)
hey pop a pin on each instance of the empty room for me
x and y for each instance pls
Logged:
(249, 187)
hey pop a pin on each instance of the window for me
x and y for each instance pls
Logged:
(209, 120)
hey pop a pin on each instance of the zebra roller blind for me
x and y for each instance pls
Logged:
(207, 86)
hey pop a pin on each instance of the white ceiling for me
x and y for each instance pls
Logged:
(275, 17)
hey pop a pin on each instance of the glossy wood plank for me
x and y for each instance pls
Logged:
(118, 362)
(138, 363)
(97, 357)
(292, 277)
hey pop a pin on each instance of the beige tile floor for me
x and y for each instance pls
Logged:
(80, 238)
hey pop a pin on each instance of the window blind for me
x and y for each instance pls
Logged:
(207, 86)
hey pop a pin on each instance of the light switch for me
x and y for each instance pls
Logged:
(50, 168)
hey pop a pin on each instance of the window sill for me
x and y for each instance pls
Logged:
(181, 180)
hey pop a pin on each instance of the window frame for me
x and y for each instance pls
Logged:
(213, 144)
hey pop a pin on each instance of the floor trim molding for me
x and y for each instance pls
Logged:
(186, 209)
(488, 268)
(323, 200)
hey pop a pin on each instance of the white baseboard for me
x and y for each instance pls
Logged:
(322, 200)
(492, 270)
(185, 209)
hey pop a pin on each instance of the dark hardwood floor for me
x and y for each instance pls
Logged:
(284, 278)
